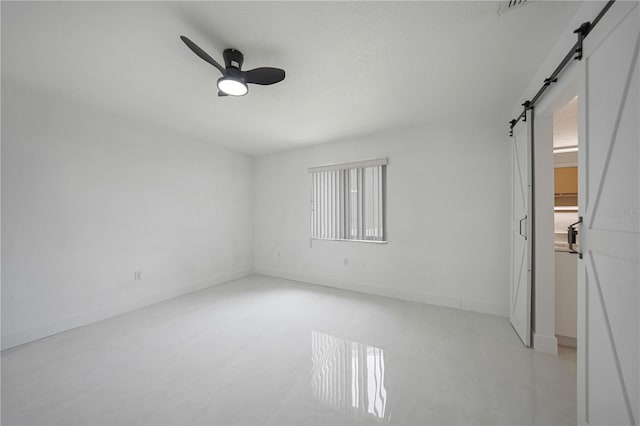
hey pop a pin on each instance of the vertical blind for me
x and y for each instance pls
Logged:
(348, 201)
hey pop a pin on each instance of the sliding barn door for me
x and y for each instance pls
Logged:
(608, 274)
(521, 220)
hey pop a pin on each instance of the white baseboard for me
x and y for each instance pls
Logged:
(547, 344)
(19, 337)
(431, 299)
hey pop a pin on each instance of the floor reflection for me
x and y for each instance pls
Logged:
(348, 376)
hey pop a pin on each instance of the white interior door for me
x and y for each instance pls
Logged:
(609, 193)
(520, 309)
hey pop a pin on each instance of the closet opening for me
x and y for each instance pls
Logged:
(565, 168)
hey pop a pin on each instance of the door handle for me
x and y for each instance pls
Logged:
(572, 234)
(520, 231)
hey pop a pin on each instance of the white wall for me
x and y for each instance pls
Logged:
(544, 337)
(89, 198)
(447, 216)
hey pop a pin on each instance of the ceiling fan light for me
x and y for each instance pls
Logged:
(232, 86)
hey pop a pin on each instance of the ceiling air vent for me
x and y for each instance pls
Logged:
(507, 5)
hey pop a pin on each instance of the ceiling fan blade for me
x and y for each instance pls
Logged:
(202, 54)
(264, 76)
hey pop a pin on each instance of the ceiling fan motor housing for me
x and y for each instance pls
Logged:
(233, 58)
(234, 72)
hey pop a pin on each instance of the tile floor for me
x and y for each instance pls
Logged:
(268, 351)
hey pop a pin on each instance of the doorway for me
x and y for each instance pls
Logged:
(556, 141)
(565, 213)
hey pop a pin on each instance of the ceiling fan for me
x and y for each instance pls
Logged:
(234, 81)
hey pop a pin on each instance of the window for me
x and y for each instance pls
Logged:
(348, 201)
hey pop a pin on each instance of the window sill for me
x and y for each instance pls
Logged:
(349, 241)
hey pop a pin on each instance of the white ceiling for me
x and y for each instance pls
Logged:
(353, 68)
(565, 125)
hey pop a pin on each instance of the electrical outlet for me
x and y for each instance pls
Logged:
(137, 275)
(346, 262)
